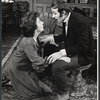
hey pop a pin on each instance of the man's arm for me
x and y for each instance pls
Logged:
(82, 32)
(81, 46)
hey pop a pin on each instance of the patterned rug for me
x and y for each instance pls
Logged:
(8, 93)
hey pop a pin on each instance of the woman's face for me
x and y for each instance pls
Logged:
(39, 24)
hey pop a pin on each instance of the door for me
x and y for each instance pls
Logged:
(42, 5)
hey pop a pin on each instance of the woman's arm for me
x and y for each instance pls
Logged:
(33, 55)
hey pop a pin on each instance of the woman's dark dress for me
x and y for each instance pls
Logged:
(24, 80)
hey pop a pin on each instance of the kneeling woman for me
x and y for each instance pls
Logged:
(21, 67)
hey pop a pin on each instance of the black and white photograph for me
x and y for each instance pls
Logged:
(49, 50)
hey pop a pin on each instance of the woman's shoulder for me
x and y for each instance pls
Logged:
(27, 41)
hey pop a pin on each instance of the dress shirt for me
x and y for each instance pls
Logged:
(66, 21)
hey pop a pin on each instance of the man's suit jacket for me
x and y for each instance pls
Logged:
(79, 40)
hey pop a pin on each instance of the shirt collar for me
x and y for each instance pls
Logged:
(64, 20)
(67, 18)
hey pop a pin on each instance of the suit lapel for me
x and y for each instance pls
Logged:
(69, 24)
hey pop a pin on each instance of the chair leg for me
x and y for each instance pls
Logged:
(79, 86)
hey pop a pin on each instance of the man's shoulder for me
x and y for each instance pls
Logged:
(78, 18)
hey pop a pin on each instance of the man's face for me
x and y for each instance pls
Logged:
(55, 13)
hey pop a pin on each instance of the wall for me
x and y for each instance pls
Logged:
(44, 6)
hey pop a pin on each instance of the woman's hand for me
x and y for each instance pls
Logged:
(38, 69)
(46, 38)
(53, 57)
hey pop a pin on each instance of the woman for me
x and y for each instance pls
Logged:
(21, 68)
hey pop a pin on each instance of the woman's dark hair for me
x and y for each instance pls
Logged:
(61, 5)
(28, 23)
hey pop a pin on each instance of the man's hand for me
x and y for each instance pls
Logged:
(53, 57)
(46, 38)
(66, 59)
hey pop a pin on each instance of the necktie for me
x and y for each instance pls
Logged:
(64, 30)
(64, 33)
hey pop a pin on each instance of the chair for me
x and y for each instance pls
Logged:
(79, 87)
(22, 8)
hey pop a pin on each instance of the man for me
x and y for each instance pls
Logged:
(78, 45)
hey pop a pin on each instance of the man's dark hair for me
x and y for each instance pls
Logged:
(28, 25)
(61, 5)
